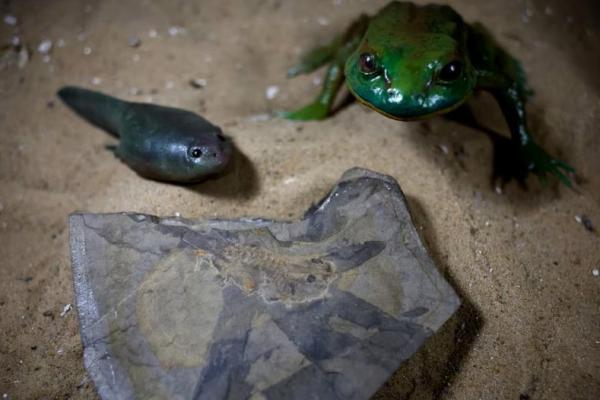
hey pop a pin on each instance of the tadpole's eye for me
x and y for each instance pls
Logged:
(196, 152)
(368, 64)
(451, 71)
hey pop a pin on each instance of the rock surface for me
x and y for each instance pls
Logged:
(329, 305)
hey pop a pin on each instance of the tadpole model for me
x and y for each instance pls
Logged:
(161, 143)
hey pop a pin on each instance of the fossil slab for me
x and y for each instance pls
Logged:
(326, 307)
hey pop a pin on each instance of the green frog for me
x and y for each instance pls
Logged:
(411, 62)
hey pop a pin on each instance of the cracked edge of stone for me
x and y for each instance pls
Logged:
(96, 357)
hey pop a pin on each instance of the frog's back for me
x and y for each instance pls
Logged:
(401, 19)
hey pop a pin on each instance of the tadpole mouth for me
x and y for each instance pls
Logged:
(226, 153)
(222, 152)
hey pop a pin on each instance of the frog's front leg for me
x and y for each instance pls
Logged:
(531, 156)
(510, 95)
(321, 106)
(336, 53)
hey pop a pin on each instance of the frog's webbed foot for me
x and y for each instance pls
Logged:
(513, 161)
(535, 159)
(530, 156)
(313, 111)
(335, 55)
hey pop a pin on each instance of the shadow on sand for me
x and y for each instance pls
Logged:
(238, 180)
(432, 369)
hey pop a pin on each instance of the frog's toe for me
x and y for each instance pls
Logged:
(562, 170)
(313, 111)
(543, 164)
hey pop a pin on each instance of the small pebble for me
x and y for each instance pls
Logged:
(260, 118)
(60, 43)
(596, 272)
(152, 33)
(10, 19)
(290, 180)
(87, 50)
(65, 310)
(81, 37)
(45, 46)
(169, 85)
(177, 214)
(23, 57)
(96, 80)
(586, 222)
(317, 81)
(498, 189)
(46, 59)
(323, 21)
(271, 92)
(197, 83)
(135, 91)
(15, 41)
(134, 41)
(176, 30)
(136, 57)
(443, 148)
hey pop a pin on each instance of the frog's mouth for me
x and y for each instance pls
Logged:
(418, 117)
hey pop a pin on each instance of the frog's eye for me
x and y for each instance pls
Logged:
(368, 64)
(195, 152)
(451, 71)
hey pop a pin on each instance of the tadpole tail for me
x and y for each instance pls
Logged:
(101, 110)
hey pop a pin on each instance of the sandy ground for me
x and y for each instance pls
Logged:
(524, 267)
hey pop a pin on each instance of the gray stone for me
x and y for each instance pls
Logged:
(327, 307)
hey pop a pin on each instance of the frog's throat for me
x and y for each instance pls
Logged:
(416, 117)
